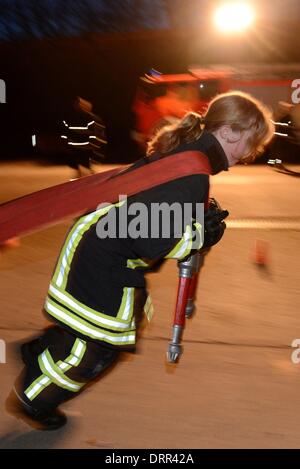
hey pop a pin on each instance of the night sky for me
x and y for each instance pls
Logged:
(23, 19)
(27, 19)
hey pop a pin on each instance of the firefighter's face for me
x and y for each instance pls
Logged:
(236, 144)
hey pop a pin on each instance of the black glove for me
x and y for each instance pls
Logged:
(214, 226)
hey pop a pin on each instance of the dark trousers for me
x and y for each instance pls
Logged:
(58, 366)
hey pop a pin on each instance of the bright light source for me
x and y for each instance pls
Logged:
(33, 140)
(234, 17)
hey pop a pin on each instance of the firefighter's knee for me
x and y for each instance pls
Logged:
(106, 358)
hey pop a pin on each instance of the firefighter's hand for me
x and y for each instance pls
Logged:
(214, 225)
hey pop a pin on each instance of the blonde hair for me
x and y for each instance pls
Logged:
(239, 110)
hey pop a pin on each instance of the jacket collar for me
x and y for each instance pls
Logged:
(208, 144)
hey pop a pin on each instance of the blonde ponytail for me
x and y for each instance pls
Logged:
(187, 130)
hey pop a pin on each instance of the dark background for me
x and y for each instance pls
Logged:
(53, 51)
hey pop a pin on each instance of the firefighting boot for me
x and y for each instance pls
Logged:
(38, 419)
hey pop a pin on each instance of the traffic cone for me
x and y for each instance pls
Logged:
(261, 252)
(10, 244)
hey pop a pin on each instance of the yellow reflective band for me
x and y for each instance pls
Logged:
(37, 387)
(133, 263)
(148, 308)
(126, 309)
(50, 369)
(198, 227)
(87, 329)
(66, 256)
(185, 244)
(74, 359)
(183, 247)
(90, 314)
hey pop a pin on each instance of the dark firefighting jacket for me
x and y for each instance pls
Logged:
(95, 286)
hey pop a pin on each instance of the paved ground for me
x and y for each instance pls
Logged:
(235, 385)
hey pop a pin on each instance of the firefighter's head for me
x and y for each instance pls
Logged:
(241, 123)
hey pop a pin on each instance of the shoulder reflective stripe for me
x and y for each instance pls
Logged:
(73, 243)
(61, 264)
(68, 250)
(64, 263)
(67, 300)
(74, 359)
(133, 263)
(50, 369)
(84, 328)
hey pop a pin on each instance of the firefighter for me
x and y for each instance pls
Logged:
(98, 292)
